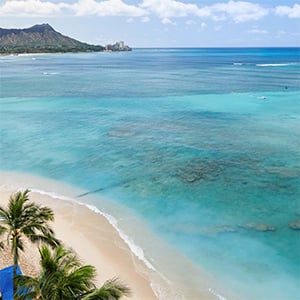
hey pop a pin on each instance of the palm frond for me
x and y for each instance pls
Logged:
(112, 289)
(23, 218)
(27, 287)
(4, 216)
(80, 279)
(62, 275)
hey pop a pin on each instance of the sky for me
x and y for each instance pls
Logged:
(163, 23)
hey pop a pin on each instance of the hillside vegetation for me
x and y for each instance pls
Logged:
(40, 39)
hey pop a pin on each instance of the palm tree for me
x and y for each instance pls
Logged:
(111, 289)
(63, 277)
(24, 219)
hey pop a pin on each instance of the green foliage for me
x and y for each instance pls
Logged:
(111, 289)
(40, 39)
(25, 219)
(62, 277)
(18, 49)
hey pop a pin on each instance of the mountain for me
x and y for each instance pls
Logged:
(40, 39)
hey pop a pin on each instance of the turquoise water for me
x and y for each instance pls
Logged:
(201, 144)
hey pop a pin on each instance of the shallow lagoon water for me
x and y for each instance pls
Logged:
(202, 145)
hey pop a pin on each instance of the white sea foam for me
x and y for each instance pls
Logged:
(50, 73)
(262, 97)
(220, 297)
(31, 54)
(159, 291)
(266, 65)
(275, 65)
(52, 195)
(162, 293)
(136, 250)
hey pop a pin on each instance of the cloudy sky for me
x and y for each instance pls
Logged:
(163, 23)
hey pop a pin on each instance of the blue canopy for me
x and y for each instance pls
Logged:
(6, 282)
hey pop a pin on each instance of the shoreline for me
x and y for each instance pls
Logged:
(58, 52)
(96, 242)
(99, 242)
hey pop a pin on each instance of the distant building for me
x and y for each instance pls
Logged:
(118, 46)
(121, 44)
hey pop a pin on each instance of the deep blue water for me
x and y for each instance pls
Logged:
(202, 144)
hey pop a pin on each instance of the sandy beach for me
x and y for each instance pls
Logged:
(95, 241)
(98, 243)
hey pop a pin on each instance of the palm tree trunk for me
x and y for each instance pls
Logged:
(16, 258)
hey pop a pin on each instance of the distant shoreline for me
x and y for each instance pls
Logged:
(58, 52)
(43, 38)
(142, 48)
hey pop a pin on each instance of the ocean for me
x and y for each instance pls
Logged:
(200, 146)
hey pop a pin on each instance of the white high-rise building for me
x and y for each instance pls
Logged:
(121, 45)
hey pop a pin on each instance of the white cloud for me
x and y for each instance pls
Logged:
(172, 8)
(238, 11)
(291, 12)
(106, 8)
(203, 25)
(80, 8)
(258, 31)
(167, 21)
(31, 8)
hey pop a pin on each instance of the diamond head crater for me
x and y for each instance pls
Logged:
(44, 39)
